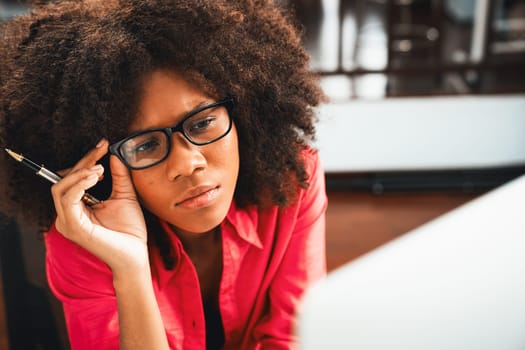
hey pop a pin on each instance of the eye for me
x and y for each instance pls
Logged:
(147, 146)
(201, 124)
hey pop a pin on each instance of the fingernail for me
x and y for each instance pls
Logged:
(100, 143)
(91, 177)
(97, 167)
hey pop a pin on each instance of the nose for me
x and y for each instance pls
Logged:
(184, 159)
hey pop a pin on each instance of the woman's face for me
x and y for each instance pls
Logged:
(193, 188)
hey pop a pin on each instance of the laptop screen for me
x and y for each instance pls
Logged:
(457, 282)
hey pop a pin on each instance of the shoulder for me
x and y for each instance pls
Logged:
(312, 162)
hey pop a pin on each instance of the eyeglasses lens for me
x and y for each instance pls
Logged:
(201, 128)
(145, 149)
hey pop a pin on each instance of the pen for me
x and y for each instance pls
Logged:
(47, 174)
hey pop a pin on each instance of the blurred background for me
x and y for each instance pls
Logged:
(426, 112)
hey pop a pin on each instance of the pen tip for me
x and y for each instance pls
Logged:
(15, 155)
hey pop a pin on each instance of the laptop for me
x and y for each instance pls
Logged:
(457, 282)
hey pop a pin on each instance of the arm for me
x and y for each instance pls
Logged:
(140, 323)
(113, 231)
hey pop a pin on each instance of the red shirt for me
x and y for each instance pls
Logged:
(269, 258)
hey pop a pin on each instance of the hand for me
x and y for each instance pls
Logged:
(113, 230)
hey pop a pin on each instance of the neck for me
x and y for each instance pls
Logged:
(198, 242)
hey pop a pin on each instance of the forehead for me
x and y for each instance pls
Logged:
(166, 98)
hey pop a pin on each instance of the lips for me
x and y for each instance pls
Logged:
(197, 197)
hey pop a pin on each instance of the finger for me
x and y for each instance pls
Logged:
(64, 172)
(93, 156)
(122, 184)
(67, 197)
(74, 194)
(75, 178)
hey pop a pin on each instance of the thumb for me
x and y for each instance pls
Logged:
(122, 185)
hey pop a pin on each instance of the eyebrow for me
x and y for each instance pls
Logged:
(199, 105)
(184, 115)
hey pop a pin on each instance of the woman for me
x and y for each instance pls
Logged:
(212, 223)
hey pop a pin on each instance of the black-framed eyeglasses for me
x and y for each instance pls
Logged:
(201, 126)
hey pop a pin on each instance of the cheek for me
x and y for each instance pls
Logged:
(230, 153)
(144, 183)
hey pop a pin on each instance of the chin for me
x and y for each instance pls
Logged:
(200, 221)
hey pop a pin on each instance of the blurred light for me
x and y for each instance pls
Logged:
(371, 86)
(329, 36)
(337, 87)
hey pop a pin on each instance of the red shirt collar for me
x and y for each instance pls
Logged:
(242, 222)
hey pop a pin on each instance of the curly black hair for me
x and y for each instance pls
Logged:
(71, 73)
